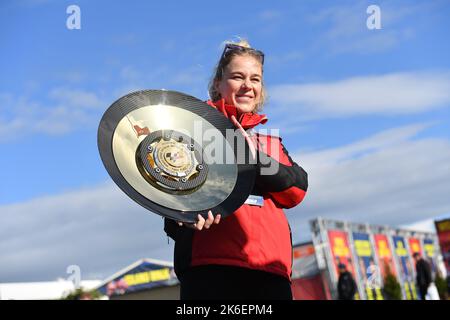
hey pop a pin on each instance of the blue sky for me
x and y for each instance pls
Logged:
(365, 112)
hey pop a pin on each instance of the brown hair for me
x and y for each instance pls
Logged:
(225, 61)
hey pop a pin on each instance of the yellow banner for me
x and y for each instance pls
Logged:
(340, 249)
(383, 249)
(443, 225)
(147, 276)
(363, 248)
(429, 249)
(400, 250)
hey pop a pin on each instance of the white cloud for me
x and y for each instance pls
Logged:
(346, 30)
(130, 74)
(34, 3)
(72, 76)
(99, 229)
(73, 98)
(382, 140)
(286, 58)
(161, 77)
(388, 94)
(66, 110)
(194, 76)
(270, 15)
(390, 178)
(125, 39)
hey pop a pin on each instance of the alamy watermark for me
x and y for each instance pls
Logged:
(73, 21)
(231, 147)
(374, 20)
(74, 272)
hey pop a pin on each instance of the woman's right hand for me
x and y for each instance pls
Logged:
(201, 222)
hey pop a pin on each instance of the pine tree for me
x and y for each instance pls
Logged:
(392, 287)
(441, 286)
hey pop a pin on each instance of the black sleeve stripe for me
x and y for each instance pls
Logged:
(286, 177)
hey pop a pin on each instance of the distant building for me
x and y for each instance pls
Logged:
(145, 279)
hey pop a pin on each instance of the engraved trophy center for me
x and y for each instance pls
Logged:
(175, 157)
(172, 162)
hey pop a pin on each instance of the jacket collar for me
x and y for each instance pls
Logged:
(247, 120)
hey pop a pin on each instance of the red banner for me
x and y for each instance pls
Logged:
(443, 232)
(303, 251)
(384, 254)
(341, 251)
(414, 246)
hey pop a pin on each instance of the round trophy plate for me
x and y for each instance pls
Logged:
(175, 155)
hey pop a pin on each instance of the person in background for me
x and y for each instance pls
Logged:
(247, 255)
(423, 275)
(346, 284)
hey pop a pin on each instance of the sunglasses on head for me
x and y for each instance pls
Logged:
(236, 48)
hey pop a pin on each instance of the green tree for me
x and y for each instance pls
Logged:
(441, 286)
(392, 287)
(80, 294)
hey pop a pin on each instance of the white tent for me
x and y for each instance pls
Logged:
(42, 290)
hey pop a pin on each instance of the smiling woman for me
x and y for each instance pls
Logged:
(238, 77)
(247, 255)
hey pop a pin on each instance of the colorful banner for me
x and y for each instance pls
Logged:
(341, 252)
(385, 256)
(371, 253)
(429, 248)
(443, 232)
(414, 246)
(303, 251)
(369, 272)
(430, 253)
(406, 269)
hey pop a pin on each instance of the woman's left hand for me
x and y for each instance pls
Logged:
(202, 223)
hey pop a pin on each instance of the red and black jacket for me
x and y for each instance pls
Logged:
(255, 237)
